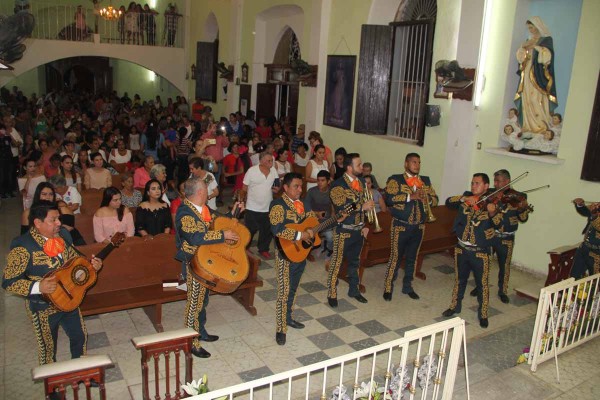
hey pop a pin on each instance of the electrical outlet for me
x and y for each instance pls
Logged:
(478, 145)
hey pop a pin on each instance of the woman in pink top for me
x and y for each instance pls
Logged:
(112, 217)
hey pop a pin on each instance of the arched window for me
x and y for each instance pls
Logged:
(395, 71)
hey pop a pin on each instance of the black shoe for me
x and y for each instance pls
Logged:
(280, 338)
(295, 324)
(360, 298)
(200, 353)
(209, 338)
(448, 313)
(387, 296)
(413, 295)
(483, 322)
(504, 298)
(474, 292)
(332, 302)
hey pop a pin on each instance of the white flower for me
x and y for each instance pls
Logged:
(191, 388)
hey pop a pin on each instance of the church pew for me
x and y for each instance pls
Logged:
(376, 250)
(133, 275)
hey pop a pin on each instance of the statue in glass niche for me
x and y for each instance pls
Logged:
(532, 127)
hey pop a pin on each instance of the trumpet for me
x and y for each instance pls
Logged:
(372, 214)
(427, 207)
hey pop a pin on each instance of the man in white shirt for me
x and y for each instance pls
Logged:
(197, 169)
(69, 194)
(259, 185)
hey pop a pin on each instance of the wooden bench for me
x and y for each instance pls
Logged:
(132, 277)
(561, 263)
(376, 250)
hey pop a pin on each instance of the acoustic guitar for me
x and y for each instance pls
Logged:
(76, 276)
(298, 250)
(223, 267)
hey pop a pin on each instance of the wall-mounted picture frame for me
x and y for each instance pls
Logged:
(339, 91)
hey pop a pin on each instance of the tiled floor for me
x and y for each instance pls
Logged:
(247, 349)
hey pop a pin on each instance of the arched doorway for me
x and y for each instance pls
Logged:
(278, 41)
(278, 98)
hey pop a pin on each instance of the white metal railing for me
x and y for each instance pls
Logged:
(68, 22)
(567, 316)
(422, 364)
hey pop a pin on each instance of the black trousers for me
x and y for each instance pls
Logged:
(46, 320)
(259, 222)
(183, 168)
(195, 309)
(406, 241)
(6, 184)
(478, 262)
(586, 260)
(346, 244)
(288, 275)
(504, 249)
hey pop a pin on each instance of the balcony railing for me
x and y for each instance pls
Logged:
(56, 21)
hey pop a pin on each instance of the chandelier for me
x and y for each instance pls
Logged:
(110, 13)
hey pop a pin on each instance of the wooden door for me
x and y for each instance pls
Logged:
(292, 104)
(266, 94)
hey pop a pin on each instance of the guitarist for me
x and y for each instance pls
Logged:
(288, 209)
(44, 248)
(192, 224)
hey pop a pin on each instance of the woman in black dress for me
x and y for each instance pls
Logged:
(152, 216)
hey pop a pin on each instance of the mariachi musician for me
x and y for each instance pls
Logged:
(349, 234)
(43, 249)
(514, 209)
(408, 196)
(587, 257)
(474, 226)
(192, 224)
(288, 209)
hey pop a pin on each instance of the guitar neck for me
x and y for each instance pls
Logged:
(102, 254)
(329, 222)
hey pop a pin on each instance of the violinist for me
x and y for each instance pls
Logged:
(587, 257)
(515, 210)
(474, 226)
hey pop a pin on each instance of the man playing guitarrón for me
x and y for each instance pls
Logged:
(192, 223)
(288, 209)
(405, 196)
(349, 234)
(44, 248)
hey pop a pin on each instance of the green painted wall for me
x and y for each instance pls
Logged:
(32, 81)
(555, 222)
(132, 78)
(387, 154)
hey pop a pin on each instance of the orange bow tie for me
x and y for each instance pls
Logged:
(356, 185)
(299, 206)
(54, 246)
(414, 181)
(206, 214)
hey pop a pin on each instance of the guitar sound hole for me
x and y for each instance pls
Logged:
(80, 276)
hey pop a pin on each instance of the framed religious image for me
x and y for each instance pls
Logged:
(339, 91)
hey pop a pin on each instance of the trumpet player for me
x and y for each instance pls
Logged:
(409, 198)
(349, 234)
(587, 257)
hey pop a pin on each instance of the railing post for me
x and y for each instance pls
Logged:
(165, 343)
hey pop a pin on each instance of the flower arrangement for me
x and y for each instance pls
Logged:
(398, 385)
(570, 318)
(194, 388)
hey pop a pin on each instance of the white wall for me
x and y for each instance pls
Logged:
(166, 61)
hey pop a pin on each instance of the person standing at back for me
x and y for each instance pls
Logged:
(259, 186)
